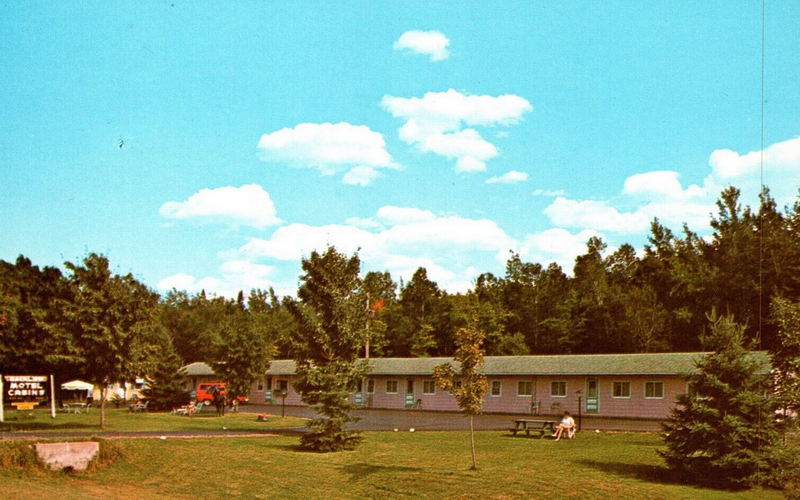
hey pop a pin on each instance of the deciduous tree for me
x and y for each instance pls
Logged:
(785, 355)
(468, 385)
(112, 320)
(243, 354)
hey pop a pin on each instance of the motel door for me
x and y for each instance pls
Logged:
(410, 399)
(592, 395)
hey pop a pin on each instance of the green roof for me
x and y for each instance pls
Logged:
(670, 363)
(197, 369)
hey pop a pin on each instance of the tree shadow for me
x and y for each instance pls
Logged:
(28, 426)
(653, 474)
(362, 470)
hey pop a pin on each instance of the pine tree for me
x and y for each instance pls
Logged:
(164, 389)
(331, 324)
(724, 429)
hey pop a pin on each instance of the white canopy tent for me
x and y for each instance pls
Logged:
(77, 385)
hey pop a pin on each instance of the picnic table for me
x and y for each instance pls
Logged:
(76, 407)
(528, 424)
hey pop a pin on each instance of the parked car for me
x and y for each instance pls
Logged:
(205, 392)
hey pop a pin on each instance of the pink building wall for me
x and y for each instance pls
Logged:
(508, 401)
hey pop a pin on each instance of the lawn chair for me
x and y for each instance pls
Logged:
(568, 433)
(139, 407)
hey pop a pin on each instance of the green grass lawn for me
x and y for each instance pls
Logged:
(386, 465)
(122, 420)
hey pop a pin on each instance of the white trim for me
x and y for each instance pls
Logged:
(396, 386)
(428, 381)
(500, 387)
(520, 395)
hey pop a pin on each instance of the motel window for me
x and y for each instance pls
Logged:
(496, 388)
(558, 389)
(429, 387)
(371, 386)
(283, 386)
(391, 386)
(654, 390)
(525, 388)
(622, 390)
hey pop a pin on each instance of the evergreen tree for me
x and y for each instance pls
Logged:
(331, 320)
(723, 430)
(164, 390)
(468, 385)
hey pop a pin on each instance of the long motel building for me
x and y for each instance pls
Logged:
(639, 386)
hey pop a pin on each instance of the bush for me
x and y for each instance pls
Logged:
(783, 470)
(18, 456)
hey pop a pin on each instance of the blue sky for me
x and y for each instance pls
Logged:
(213, 144)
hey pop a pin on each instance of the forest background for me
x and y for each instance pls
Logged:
(653, 300)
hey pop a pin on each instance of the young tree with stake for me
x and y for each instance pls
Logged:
(467, 384)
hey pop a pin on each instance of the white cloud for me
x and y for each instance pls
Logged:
(330, 148)
(435, 123)
(557, 245)
(595, 214)
(511, 177)
(430, 43)
(363, 222)
(454, 233)
(660, 184)
(397, 239)
(600, 215)
(360, 176)
(237, 275)
(294, 241)
(403, 215)
(467, 146)
(248, 205)
(728, 164)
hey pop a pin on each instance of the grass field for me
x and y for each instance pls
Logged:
(122, 420)
(386, 465)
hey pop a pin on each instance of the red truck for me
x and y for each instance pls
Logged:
(205, 392)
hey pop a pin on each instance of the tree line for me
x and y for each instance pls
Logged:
(613, 302)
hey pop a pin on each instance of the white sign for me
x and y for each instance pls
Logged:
(20, 387)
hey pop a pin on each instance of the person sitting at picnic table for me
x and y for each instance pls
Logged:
(567, 424)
